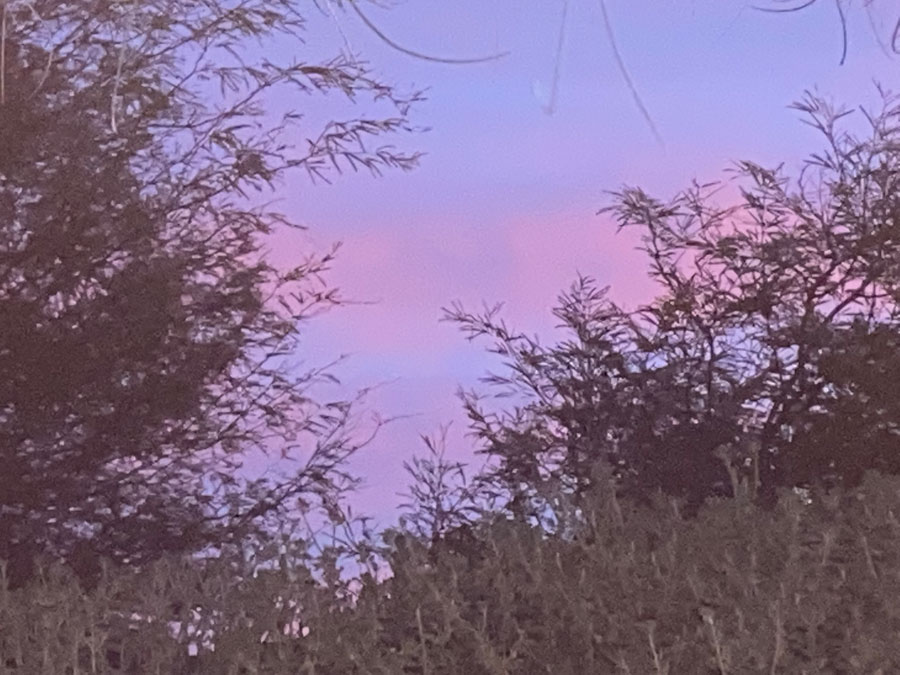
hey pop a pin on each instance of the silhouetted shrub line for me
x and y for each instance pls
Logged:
(737, 589)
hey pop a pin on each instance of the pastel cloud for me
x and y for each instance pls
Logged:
(524, 261)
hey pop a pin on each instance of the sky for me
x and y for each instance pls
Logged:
(503, 207)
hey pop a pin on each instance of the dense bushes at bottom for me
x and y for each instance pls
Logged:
(802, 589)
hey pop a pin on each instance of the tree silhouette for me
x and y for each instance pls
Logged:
(766, 361)
(143, 334)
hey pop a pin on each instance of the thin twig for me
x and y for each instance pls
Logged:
(627, 77)
(426, 666)
(337, 23)
(895, 38)
(3, 54)
(709, 620)
(784, 10)
(840, 9)
(779, 638)
(113, 101)
(425, 57)
(881, 43)
(46, 73)
(554, 87)
(843, 18)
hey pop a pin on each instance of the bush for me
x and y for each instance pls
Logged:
(639, 589)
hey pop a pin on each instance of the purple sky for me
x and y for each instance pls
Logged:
(503, 206)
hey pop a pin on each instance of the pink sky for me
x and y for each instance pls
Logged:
(503, 206)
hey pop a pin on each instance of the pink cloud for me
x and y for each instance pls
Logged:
(548, 251)
(400, 279)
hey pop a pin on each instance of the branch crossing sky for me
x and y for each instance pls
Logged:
(503, 207)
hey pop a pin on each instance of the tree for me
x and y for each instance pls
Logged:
(766, 362)
(144, 337)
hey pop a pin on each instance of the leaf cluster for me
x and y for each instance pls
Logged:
(145, 337)
(634, 589)
(764, 361)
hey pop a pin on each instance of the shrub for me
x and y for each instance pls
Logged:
(629, 588)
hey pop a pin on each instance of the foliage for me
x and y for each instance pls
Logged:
(144, 337)
(441, 498)
(636, 589)
(766, 360)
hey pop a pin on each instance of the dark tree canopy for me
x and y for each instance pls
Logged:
(767, 361)
(143, 334)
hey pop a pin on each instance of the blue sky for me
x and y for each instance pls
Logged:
(503, 206)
